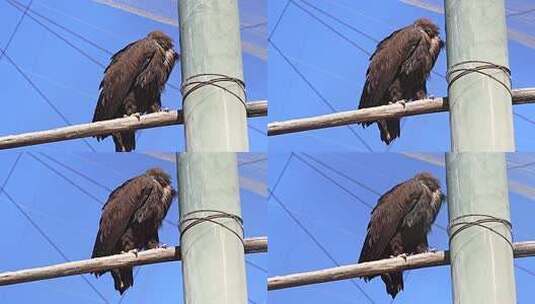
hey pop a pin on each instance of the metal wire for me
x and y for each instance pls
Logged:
(189, 222)
(190, 85)
(483, 65)
(460, 226)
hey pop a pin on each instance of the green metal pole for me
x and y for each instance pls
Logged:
(213, 262)
(481, 261)
(480, 107)
(214, 120)
(481, 121)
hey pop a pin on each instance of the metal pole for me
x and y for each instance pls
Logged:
(481, 121)
(215, 120)
(213, 262)
(481, 260)
(481, 111)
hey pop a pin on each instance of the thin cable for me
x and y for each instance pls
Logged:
(191, 84)
(258, 267)
(363, 202)
(24, 13)
(63, 39)
(94, 44)
(253, 26)
(188, 221)
(251, 301)
(279, 20)
(349, 26)
(457, 226)
(521, 166)
(86, 192)
(351, 193)
(3, 54)
(524, 118)
(86, 177)
(323, 249)
(44, 97)
(346, 38)
(480, 66)
(257, 130)
(340, 173)
(68, 180)
(11, 170)
(304, 78)
(323, 99)
(281, 174)
(357, 46)
(50, 242)
(38, 228)
(525, 270)
(254, 161)
(521, 13)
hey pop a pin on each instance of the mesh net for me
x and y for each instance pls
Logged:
(253, 20)
(520, 17)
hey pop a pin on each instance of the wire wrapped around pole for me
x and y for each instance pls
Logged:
(457, 226)
(191, 84)
(189, 222)
(483, 65)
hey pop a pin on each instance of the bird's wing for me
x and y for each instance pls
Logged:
(152, 205)
(419, 214)
(386, 218)
(157, 70)
(386, 63)
(420, 58)
(125, 67)
(118, 212)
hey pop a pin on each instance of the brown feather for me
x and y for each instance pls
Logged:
(398, 70)
(400, 222)
(131, 217)
(134, 81)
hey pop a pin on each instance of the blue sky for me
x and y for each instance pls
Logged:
(331, 70)
(66, 207)
(329, 196)
(65, 67)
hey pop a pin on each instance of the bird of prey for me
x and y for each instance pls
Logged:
(400, 222)
(133, 83)
(131, 218)
(398, 71)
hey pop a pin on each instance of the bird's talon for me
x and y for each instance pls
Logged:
(403, 256)
(134, 251)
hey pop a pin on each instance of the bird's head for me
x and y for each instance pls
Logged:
(428, 27)
(429, 180)
(160, 175)
(162, 39)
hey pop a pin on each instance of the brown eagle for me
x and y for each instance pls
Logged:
(133, 83)
(400, 222)
(131, 218)
(398, 71)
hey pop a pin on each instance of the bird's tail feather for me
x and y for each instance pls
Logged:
(393, 282)
(122, 278)
(124, 141)
(389, 130)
